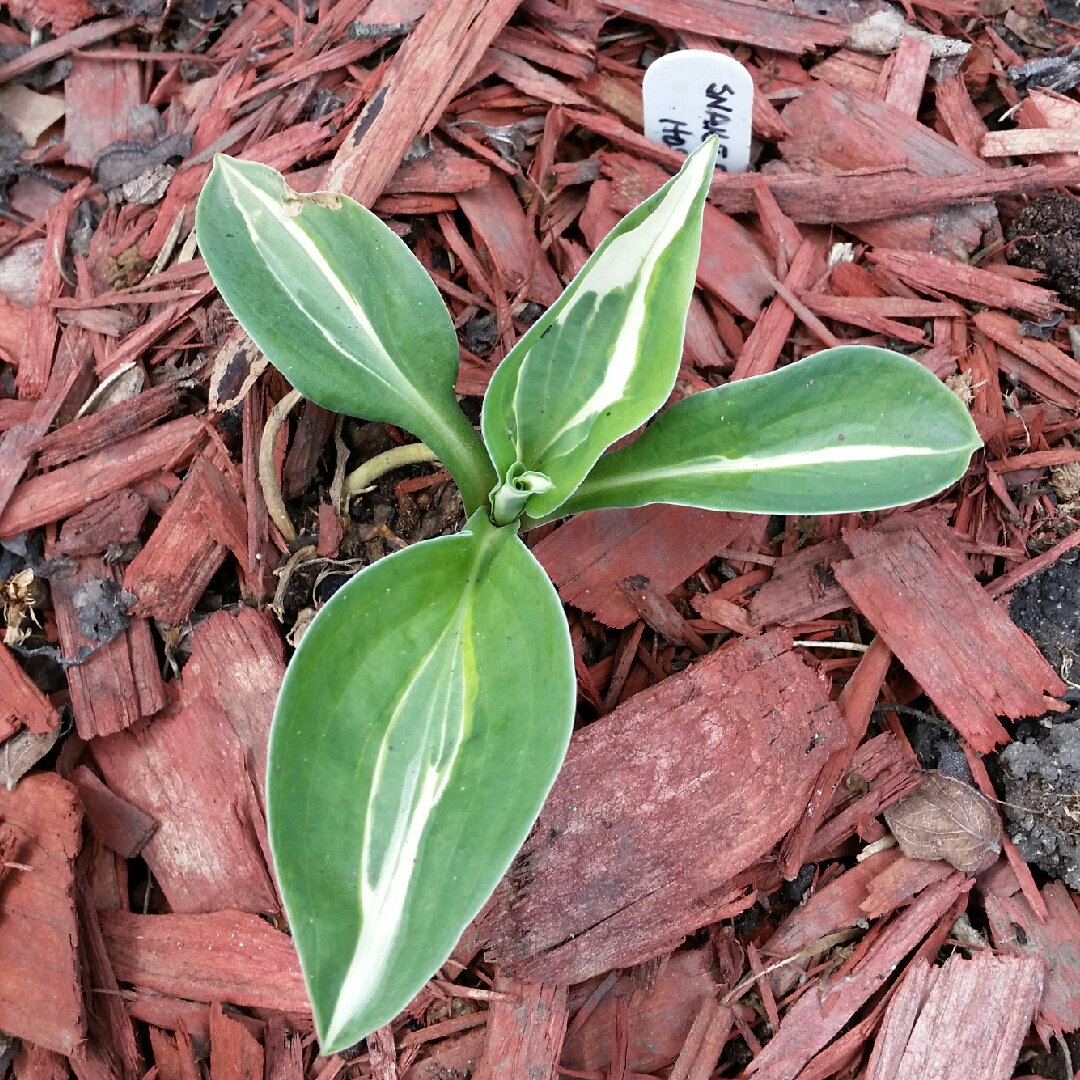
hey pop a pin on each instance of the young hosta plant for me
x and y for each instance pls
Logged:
(426, 712)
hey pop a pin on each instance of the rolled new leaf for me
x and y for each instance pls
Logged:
(341, 307)
(850, 428)
(604, 357)
(419, 728)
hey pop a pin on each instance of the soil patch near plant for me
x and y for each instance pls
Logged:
(1045, 236)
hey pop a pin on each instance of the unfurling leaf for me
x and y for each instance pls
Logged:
(341, 307)
(604, 357)
(946, 819)
(850, 428)
(419, 728)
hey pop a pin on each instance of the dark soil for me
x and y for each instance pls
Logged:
(1040, 772)
(1066, 11)
(1047, 608)
(1046, 237)
(1042, 800)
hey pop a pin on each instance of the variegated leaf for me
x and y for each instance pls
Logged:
(419, 728)
(850, 428)
(604, 357)
(341, 307)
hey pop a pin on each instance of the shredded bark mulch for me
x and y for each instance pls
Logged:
(776, 848)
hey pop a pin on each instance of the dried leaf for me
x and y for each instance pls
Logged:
(237, 364)
(20, 753)
(946, 819)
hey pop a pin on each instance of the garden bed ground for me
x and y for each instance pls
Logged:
(712, 889)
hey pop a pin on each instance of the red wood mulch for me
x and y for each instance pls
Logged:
(730, 760)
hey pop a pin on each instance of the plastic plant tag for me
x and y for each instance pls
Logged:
(693, 94)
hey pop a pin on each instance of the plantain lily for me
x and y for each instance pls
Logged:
(427, 710)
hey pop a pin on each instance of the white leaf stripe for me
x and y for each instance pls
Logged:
(432, 717)
(805, 459)
(386, 371)
(385, 892)
(843, 454)
(628, 260)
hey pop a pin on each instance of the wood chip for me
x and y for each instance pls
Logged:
(99, 95)
(116, 519)
(499, 222)
(606, 881)
(660, 613)
(422, 78)
(588, 556)
(56, 495)
(744, 21)
(802, 587)
(20, 699)
(172, 571)
(661, 1014)
(119, 682)
(815, 1018)
(41, 993)
(116, 822)
(968, 656)
(226, 956)
(1055, 942)
(200, 772)
(525, 1034)
(967, 1018)
(926, 271)
(235, 1054)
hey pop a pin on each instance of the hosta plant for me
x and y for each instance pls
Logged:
(428, 707)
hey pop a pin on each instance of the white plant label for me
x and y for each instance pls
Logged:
(692, 94)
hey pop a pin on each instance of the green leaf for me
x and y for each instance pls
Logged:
(604, 357)
(341, 307)
(419, 728)
(851, 428)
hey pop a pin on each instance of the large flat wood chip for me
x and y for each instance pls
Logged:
(588, 556)
(199, 771)
(1055, 942)
(41, 987)
(848, 130)
(966, 1019)
(524, 1036)
(752, 23)
(965, 652)
(727, 750)
(100, 95)
(226, 956)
